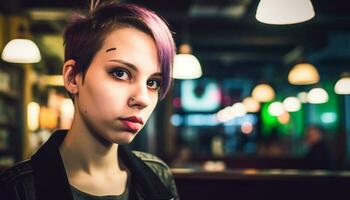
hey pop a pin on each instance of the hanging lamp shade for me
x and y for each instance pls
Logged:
(303, 74)
(251, 105)
(239, 109)
(281, 12)
(21, 51)
(276, 108)
(317, 96)
(263, 93)
(343, 84)
(186, 65)
(291, 104)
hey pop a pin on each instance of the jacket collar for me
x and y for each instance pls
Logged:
(51, 180)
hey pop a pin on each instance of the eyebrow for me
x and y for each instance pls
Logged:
(132, 66)
(111, 49)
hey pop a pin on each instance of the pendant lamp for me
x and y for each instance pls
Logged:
(21, 50)
(317, 96)
(263, 93)
(343, 84)
(303, 74)
(186, 65)
(282, 12)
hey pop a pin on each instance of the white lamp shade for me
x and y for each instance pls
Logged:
(239, 109)
(263, 93)
(186, 66)
(292, 104)
(317, 96)
(251, 105)
(281, 12)
(303, 74)
(21, 51)
(276, 108)
(342, 86)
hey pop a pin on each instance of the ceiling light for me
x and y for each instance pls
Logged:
(281, 12)
(21, 51)
(303, 74)
(263, 93)
(186, 66)
(284, 118)
(239, 109)
(251, 105)
(317, 96)
(343, 85)
(276, 108)
(292, 104)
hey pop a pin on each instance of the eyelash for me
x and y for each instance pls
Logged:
(159, 83)
(114, 72)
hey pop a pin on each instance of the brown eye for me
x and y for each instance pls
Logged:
(120, 74)
(153, 84)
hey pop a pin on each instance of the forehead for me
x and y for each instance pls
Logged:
(132, 45)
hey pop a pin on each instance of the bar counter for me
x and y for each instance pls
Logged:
(262, 184)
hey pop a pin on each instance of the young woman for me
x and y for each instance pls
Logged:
(118, 62)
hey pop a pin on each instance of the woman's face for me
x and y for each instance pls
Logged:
(120, 88)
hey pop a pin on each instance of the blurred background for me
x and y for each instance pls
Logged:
(252, 104)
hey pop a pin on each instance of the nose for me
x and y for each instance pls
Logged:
(140, 97)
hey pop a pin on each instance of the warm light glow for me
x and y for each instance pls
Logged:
(225, 114)
(48, 118)
(251, 105)
(263, 93)
(247, 127)
(284, 11)
(33, 110)
(284, 118)
(21, 51)
(276, 108)
(303, 74)
(302, 96)
(186, 66)
(292, 104)
(343, 85)
(66, 113)
(239, 110)
(52, 80)
(317, 96)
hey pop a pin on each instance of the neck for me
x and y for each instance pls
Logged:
(83, 152)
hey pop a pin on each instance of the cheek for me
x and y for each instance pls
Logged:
(102, 98)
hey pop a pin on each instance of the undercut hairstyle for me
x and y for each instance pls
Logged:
(85, 34)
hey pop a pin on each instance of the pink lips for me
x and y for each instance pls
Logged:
(132, 124)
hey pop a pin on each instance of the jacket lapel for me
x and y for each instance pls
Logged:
(147, 183)
(50, 177)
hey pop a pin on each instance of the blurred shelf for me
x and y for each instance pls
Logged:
(6, 125)
(9, 95)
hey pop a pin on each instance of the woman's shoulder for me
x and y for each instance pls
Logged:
(17, 181)
(17, 172)
(160, 168)
(150, 159)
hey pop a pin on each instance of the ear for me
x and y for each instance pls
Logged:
(71, 81)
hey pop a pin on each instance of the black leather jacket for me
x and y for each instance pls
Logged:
(43, 177)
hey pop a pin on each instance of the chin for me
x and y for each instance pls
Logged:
(123, 138)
